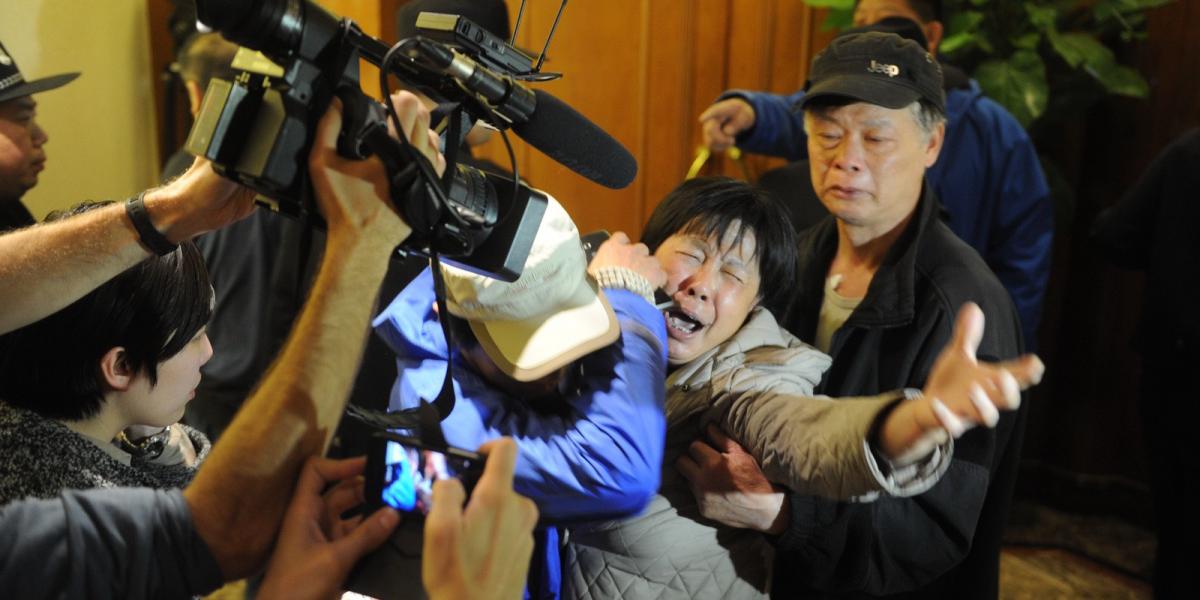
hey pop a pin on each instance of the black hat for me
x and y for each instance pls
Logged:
(879, 68)
(13, 84)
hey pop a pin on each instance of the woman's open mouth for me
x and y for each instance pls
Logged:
(680, 323)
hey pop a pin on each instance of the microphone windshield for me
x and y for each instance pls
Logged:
(568, 137)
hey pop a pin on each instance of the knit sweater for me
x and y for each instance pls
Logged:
(40, 457)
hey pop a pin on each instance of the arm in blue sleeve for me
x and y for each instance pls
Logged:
(605, 458)
(600, 457)
(778, 130)
(1022, 237)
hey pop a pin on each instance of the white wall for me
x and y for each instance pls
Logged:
(103, 143)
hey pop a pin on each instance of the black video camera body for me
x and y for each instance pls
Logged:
(258, 130)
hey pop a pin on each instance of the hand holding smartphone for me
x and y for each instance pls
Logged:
(401, 471)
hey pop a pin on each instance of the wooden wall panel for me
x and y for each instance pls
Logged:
(644, 70)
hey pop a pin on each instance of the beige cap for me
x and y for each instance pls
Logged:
(551, 316)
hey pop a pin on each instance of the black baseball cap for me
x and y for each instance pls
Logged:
(876, 67)
(14, 85)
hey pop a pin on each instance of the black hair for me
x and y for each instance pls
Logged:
(152, 310)
(710, 206)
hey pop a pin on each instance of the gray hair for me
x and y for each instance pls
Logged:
(925, 114)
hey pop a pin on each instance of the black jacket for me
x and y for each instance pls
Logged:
(945, 542)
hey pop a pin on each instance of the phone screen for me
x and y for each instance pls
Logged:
(407, 471)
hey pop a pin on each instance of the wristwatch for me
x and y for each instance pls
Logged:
(145, 449)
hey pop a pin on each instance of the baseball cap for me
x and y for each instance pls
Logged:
(876, 67)
(551, 316)
(14, 85)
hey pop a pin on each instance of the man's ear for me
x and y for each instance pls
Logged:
(114, 367)
(934, 147)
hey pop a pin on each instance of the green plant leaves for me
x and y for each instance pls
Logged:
(963, 33)
(1018, 83)
(1081, 50)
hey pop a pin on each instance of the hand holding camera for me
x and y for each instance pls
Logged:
(354, 193)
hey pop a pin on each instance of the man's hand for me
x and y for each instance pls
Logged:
(619, 251)
(729, 486)
(724, 120)
(197, 202)
(482, 552)
(353, 195)
(960, 393)
(316, 547)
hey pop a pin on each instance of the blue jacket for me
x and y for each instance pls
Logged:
(987, 177)
(599, 458)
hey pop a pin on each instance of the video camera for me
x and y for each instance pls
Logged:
(257, 129)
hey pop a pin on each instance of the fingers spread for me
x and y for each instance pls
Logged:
(989, 415)
(968, 328)
(948, 420)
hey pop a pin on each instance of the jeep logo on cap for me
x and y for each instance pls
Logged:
(889, 70)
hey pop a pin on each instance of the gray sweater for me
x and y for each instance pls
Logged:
(41, 457)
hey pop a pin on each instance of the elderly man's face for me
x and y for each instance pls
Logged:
(867, 162)
(21, 153)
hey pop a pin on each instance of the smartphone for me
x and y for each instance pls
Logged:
(401, 470)
(591, 242)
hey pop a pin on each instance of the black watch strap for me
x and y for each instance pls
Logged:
(153, 240)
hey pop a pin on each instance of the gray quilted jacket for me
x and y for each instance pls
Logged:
(757, 386)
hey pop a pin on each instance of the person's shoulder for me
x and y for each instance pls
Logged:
(767, 356)
(954, 267)
(984, 115)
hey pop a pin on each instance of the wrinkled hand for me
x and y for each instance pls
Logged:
(961, 392)
(729, 486)
(317, 548)
(724, 120)
(619, 251)
(353, 195)
(483, 551)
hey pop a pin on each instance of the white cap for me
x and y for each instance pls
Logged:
(551, 316)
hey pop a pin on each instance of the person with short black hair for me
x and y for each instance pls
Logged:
(91, 395)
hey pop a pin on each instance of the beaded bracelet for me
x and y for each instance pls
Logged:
(622, 278)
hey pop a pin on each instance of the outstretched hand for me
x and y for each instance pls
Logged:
(961, 392)
(316, 547)
(482, 551)
(724, 120)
